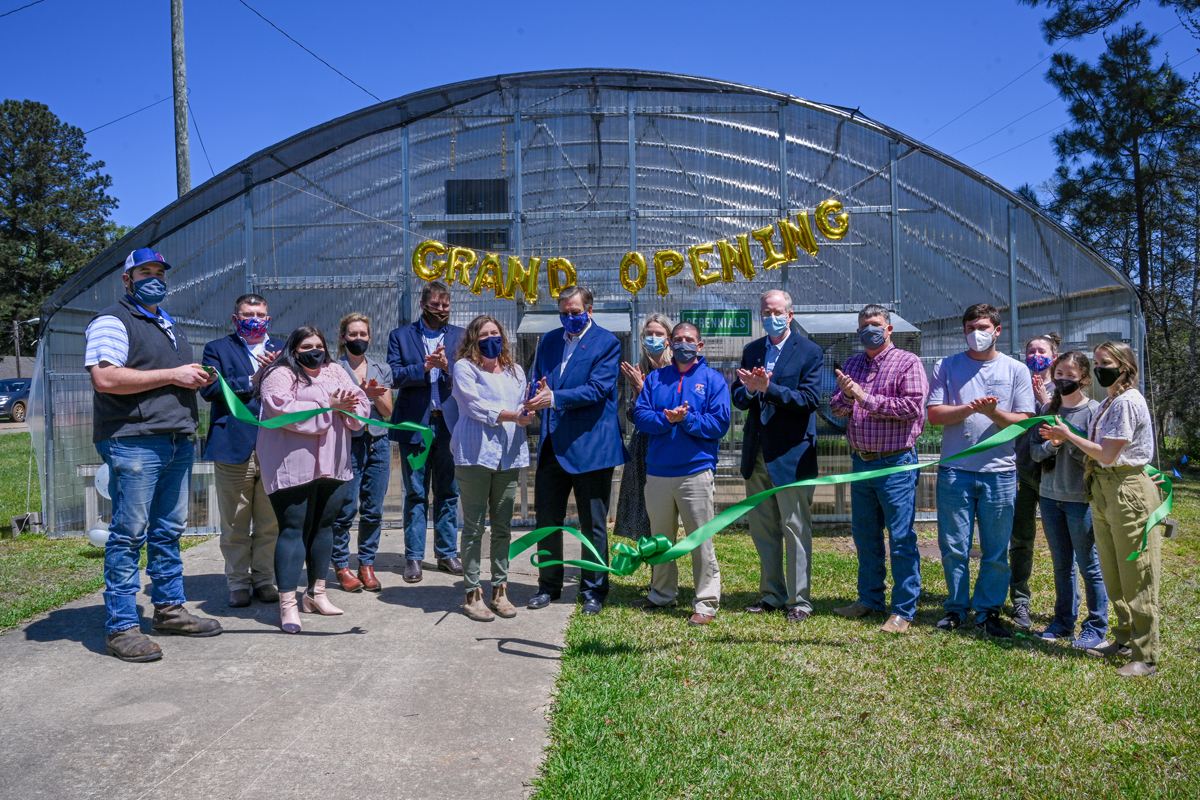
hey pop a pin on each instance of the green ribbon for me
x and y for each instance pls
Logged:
(659, 549)
(242, 414)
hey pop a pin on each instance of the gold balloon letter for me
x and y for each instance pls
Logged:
(634, 285)
(766, 237)
(703, 278)
(736, 257)
(434, 270)
(527, 279)
(458, 265)
(553, 265)
(834, 232)
(667, 264)
(799, 235)
(489, 276)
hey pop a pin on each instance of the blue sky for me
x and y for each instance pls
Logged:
(914, 66)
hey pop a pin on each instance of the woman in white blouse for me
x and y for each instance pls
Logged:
(1121, 441)
(489, 448)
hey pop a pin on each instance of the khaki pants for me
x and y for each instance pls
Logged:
(486, 494)
(782, 523)
(689, 497)
(248, 526)
(1122, 500)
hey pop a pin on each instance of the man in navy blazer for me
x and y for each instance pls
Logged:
(779, 385)
(575, 372)
(421, 355)
(248, 526)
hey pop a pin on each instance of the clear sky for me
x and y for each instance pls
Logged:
(912, 65)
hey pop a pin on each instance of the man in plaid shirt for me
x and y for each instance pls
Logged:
(883, 392)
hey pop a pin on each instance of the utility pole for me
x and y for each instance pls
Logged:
(183, 160)
(17, 344)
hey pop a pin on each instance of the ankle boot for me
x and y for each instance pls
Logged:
(500, 603)
(172, 618)
(318, 602)
(289, 616)
(474, 607)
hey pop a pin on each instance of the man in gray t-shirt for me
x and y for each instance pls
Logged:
(974, 395)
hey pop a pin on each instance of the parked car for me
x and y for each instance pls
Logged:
(14, 398)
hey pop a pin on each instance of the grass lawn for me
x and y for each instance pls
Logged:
(753, 707)
(14, 478)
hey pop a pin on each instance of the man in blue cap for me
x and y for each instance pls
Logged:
(143, 413)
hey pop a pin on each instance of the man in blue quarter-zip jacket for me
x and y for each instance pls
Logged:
(685, 409)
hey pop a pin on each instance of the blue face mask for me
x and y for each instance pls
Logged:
(654, 344)
(873, 337)
(574, 323)
(150, 291)
(685, 352)
(775, 325)
(491, 346)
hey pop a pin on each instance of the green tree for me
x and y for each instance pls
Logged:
(1072, 19)
(54, 209)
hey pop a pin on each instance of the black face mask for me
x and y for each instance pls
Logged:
(311, 358)
(356, 347)
(1107, 376)
(436, 319)
(1066, 386)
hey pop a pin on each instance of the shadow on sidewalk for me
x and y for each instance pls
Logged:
(84, 625)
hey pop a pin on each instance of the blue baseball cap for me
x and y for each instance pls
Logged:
(144, 256)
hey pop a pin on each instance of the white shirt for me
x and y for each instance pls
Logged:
(432, 343)
(479, 439)
(1127, 417)
(568, 350)
(255, 350)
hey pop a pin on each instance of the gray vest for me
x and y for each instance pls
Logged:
(167, 409)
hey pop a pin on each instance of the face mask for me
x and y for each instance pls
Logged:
(436, 319)
(1107, 376)
(1038, 363)
(311, 358)
(150, 291)
(775, 325)
(873, 337)
(491, 346)
(980, 341)
(356, 347)
(654, 344)
(1066, 386)
(685, 352)
(574, 323)
(251, 328)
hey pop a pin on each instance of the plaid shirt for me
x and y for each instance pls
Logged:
(892, 415)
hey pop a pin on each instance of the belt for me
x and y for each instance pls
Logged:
(869, 456)
(435, 412)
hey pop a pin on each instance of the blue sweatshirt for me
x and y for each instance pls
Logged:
(690, 446)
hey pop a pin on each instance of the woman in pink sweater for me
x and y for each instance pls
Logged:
(306, 465)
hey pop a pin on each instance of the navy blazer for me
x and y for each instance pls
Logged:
(586, 432)
(406, 357)
(789, 441)
(231, 441)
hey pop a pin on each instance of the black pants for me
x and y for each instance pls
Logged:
(553, 487)
(1020, 546)
(306, 514)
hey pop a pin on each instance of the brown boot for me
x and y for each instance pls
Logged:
(474, 607)
(348, 581)
(176, 619)
(132, 645)
(366, 574)
(500, 603)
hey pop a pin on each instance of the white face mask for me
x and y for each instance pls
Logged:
(980, 341)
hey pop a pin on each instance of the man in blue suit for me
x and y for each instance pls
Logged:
(575, 371)
(248, 526)
(421, 355)
(779, 386)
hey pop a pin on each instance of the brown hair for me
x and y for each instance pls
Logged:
(344, 326)
(1126, 360)
(979, 311)
(1051, 338)
(469, 348)
(1077, 360)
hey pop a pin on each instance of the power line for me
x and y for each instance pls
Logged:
(27, 5)
(1002, 127)
(1022, 144)
(204, 149)
(311, 53)
(131, 113)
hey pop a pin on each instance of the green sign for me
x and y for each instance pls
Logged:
(718, 323)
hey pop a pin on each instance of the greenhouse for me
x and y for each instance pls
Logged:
(659, 192)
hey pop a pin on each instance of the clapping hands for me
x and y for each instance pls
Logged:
(677, 414)
(343, 400)
(373, 390)
(633, 374)
(756, 380)
(437, 359)
(848, 386)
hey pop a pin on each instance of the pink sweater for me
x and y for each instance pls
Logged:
(316, 448)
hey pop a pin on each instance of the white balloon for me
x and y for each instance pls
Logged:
(101, 481)
(98, 535)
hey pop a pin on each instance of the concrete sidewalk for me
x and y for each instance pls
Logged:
(402, 697)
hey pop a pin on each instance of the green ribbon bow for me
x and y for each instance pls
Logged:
(242, 414)
(658, 550)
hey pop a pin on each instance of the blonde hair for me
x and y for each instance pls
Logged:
(644, 362)
(344, 326)
(1126, 360)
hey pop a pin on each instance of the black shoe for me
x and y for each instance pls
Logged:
(951, 622)
(989, 622)
(266, 593)
(1020, 616)
(451, 565)
(592, 607)
(412, 570)
(761, 607)
(239, 598)
(542, 599)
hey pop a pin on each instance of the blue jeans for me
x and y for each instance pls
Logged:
(148, 483)
(887, 501)
(1068, 528)
(963, 498)
(372, 463)
(438, 472)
